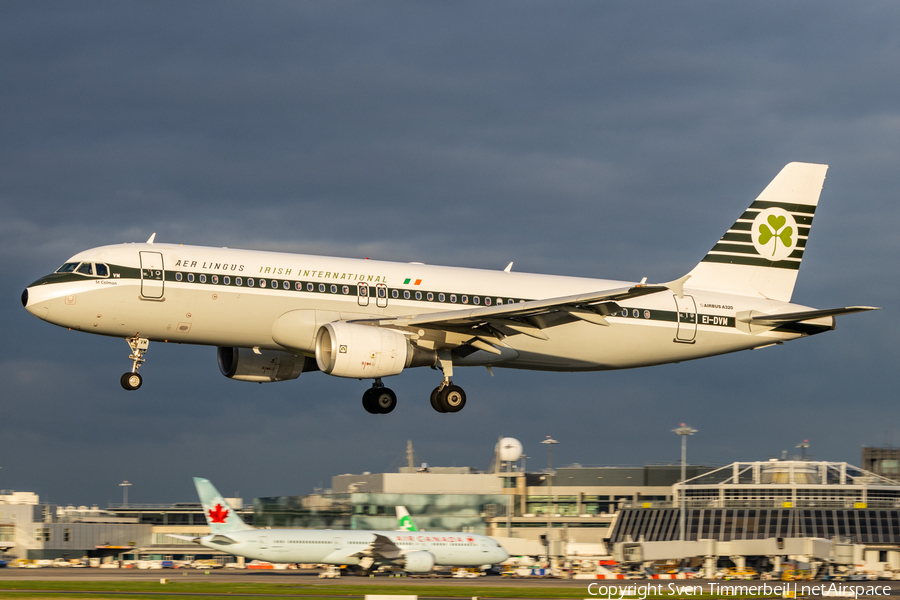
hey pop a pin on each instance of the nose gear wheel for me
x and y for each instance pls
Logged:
(133, 380)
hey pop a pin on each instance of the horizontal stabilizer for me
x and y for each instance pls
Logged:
(188, 538)
(779, 319)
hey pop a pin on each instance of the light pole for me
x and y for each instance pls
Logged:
(125, 485)
(684, 431)
(549, 441)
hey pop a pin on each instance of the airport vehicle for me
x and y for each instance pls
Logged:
(274, 316)
(367, 550)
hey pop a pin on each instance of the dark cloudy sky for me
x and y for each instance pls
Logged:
(608, 139)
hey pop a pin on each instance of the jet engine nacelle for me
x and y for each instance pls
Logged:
(364, 351)
(420, 561)
(243, 364)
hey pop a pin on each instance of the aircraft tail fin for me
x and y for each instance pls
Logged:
(760, 254)
(404, 521)
(220, 516)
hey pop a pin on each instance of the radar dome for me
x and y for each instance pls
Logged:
(509, 449)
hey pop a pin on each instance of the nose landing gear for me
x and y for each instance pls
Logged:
(133, 380)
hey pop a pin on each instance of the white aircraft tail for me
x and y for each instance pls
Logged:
(404, 521)
(220, 517)
(760, 254)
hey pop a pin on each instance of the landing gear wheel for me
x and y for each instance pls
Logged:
(368, 401)
(379, 400)
(131, 381)
(452, 398)
(384, 400)
(435, 402)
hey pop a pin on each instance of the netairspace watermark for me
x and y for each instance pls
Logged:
(784, 590)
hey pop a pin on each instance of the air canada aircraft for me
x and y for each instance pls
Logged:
(274, 316)
(413, 551)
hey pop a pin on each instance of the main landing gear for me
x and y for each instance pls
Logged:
(133, 380)
(447, 397)
(379, 400)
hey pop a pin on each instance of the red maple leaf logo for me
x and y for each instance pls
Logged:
(217, 514)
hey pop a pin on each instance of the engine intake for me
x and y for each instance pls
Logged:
(243, 364)
(363, 351)
(420, 561)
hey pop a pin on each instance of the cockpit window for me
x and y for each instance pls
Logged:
(86, 269)
(67, 268)
(102, 270)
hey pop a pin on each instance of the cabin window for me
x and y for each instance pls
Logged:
(430, 296)
(177, 276)
(262, 283)
(298, 286)
(86, 269)
(286, 285)
(226, 280)
(465, 299)
(67, 268)
(191, 277)
(274, 285)
(102, 270)
(406, 294)
(418, 295)
(238, 281)
(395, 294)
(499, 300)
(310, 287)
(441, 297)
(333, 289)
(510, 301)
(453, 298)
(250, 282)
(382, 292)
(487, 301)
(346, 289)
(476, 300)
(636, 313)
(321, 287)
(215, 279)
(202, 278)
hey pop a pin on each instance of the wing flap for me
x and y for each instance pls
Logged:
(381, 548)
(601, 303)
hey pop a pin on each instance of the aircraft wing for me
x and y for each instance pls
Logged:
(783, 318)
(495, 322)
(381, 548)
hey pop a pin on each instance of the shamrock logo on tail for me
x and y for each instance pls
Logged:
(777, 223)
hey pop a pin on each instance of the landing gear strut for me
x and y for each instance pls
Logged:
(447, 397)
(379, 400)
(133, 380)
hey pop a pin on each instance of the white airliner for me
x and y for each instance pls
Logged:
(413, 551)
(275, 315)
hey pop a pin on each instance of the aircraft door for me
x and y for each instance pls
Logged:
(381, 295)
(686, 313)
(153, 275)
(263, 542)
(363, 294)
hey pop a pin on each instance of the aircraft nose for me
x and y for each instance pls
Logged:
(38, 309)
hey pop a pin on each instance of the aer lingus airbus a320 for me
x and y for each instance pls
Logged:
(411, 550)
(275, 315)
